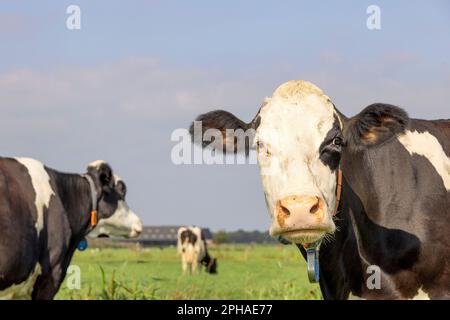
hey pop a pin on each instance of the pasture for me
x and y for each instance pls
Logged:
(245, 272)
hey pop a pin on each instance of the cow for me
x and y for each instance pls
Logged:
(44, 214)
(191, 246)
(370, 193)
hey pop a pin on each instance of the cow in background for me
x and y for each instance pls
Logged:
(191, 245)
(44, 214)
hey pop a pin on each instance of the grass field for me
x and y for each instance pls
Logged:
(245, 272)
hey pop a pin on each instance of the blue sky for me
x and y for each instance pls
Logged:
(137, 70)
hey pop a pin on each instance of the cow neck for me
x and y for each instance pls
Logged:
(398, 248)
(94, 200)
(340, 264)
(74, 192)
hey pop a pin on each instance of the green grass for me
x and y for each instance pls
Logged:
(245, 272)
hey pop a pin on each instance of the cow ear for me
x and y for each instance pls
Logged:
(102, 174)
(121, 188)
(235, 135)
(375, 125)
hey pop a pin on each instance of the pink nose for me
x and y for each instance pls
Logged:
(300, 212)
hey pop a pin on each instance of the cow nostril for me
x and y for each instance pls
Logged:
(315, 207)
(285, 210)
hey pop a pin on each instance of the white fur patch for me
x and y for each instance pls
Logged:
(22, 290)
(123, 223)
(96, 163)
(294, 123)
(41, 184)
(421, 295)
(425, 144)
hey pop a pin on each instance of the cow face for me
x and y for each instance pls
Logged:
(298, 143)
(187, 237)
(299, 137)
(115, 216)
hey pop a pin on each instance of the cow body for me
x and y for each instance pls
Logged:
(395, 215)
(191, 245)
(44, 214)
(394, 210)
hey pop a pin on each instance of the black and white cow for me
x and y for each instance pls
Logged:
(44, 214)
(191, 246)
(394, 212)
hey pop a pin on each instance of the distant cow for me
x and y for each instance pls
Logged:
(193, 250)
(372, 191)
(44, 214)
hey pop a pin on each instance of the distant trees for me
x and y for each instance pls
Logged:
(220, 237)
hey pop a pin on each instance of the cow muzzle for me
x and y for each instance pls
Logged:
(136, 229)
(302, 219)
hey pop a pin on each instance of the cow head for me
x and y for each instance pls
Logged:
(115, 216)
(186, 238)
(299, 137)
(211, 266)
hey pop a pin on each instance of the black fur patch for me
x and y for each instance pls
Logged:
(221, 120)
(330, 153)
(189, 236)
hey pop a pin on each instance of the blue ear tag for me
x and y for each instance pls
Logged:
(82, 245)
(312, 257)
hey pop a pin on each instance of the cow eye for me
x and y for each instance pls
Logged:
(338, 141)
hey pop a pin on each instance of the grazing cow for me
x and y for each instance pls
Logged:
(44, 214)
(372, 192)
(191, 245)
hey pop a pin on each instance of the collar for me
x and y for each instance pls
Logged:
(312, 250)
(338, 191)
(94, 215)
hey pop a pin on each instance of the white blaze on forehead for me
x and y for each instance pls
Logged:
(296, 89)
(294, 123)
(426, 145)
(41, 185)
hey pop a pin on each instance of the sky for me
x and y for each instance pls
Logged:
(136, 71)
